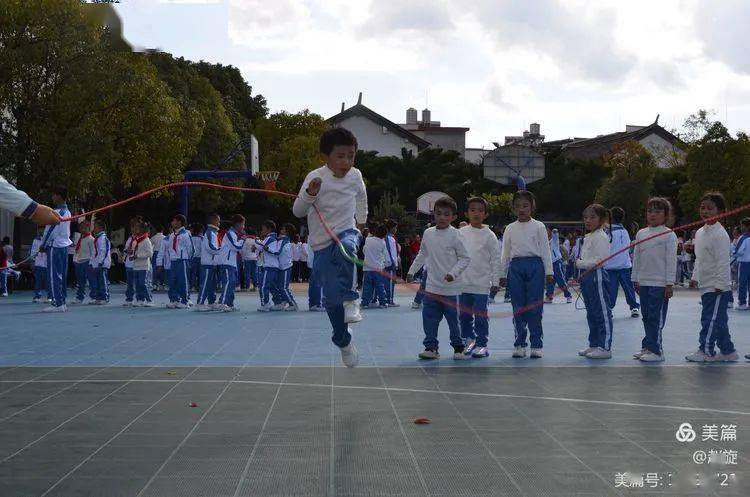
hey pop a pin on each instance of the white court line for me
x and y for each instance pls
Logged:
(419, 390)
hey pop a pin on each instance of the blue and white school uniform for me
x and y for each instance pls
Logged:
(165, 262)
(392, 264)
(558, 272)
(654, 260)
(180, 251)
(619, 267)
(226, 261)
(712, 273)
(281, 250)
(156, 243)
(315, 297)
(595, 289)
(100, 264)
(195, 263)
(40, 269)
(741, 257)
(209, 250)
(373, 281)
(250, 263)
(142, 253)
(526, 260)
(56, 241)
(269, 276)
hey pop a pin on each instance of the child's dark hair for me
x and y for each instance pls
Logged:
(745, 222)
(237, 219)
(269, 224)
(144, 225)
(61, 191)
(390, 224)
(525, 195)
(618, 214)
(661, 204)
(601, 212)
(446, 203)
(717, 198)
(336, 136)
(380, 231)
(477, 200)
(180, 219)
(289, 229)
(99, 223)
(196, 228)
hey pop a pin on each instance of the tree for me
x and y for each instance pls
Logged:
(500, 207)
(77, 113)
(632, 177)
(717, 161)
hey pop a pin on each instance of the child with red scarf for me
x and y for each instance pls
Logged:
(84, 250)
(142, 251)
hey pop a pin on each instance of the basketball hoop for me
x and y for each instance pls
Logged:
(269, 179)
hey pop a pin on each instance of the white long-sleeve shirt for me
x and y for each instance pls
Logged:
(84, 250)
(595, 249)
(375, 254)
(527, 239)
(102, 252)
(712, 252)
(156, 241)
(620, 240)
(340, 201)
(250, 250)
(231, 244)
(40, 259)
(655, 260)
(484, 269)
(15, 201)
(182, 248)
(143, 250)
(444, 252)
(210, 246)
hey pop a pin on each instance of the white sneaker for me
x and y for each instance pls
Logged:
(230, 308)
(265, 308)
(649, 356)
(416, 305)
(92, 302)
(138, 303)
(480, 352)
(536, 353)
(585, 351)
(349, 355)
(699, 356)
(635, 312)
(429, 354)
(127, 303)
(317, 308)
(203, 308)
(519, 352)
(4, 294)
(101, 302)
(460, 356)
(743, 307)
(146, 303)
(393, 304)
(180, 305)
(52, 308)
(568, 300)
(351, 312)
(469, 347)
(731, 357)
(291, 308)
(638, 355)
(278, 307)
(171, 305)
(599, 353)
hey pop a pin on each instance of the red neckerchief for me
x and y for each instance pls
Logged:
(220, 237)
(78, 245)
(174, 241)
(138, 239)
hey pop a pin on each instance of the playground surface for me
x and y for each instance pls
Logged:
(117, 401)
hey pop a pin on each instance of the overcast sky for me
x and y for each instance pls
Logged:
(577, 67)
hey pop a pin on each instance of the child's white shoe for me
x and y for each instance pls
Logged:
(203, 308)
(127, 303)
(599, 353)
(536, 354)
(278, 307)
(265, 308)
(635, 312)
(638, 355)
(171, 305)
(351, 312)
(480, 352)
(180, 305)
(469, 347)
(429, 354)
(585, 351)
(519, 352)
(349, 355)
(460, 356)
(291, 308)
(744, 307)
(147, 303)
(416, 305)
(53, 308)
(731, 357)
(649, 356)
(230, 308)
(699, 356)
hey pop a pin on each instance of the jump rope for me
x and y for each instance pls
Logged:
(354, 260)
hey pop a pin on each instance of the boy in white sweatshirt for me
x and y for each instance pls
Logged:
(376, 257)
(338, 193)
(142, 251)
(711, 275)
(653, 276)
(480, 278)
(444, 251)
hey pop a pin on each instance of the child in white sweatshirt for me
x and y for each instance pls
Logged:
(480, 278)
(594, 281)
(653, 275)
(374, 279)
(444, 251)
(711, 275)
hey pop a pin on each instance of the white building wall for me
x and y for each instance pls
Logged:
(665, 153)
(371, 136)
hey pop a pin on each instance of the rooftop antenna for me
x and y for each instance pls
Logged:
(359, 99)
(342, 106)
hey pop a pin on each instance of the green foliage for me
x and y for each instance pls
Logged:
(632, 177)
(388, 207)
(568, 186)
(500, 207)
(717, 161)
(289, 143)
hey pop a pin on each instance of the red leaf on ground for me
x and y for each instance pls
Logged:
(422, 421)
(192, 404)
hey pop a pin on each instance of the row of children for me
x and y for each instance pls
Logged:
(463, 269)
